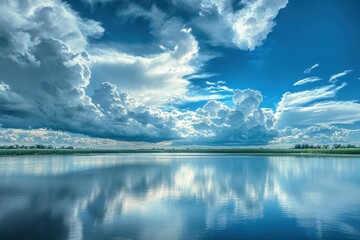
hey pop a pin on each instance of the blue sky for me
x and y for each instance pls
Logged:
(179, 72)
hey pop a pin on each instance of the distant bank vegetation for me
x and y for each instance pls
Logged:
(298, 149)
(324, 146)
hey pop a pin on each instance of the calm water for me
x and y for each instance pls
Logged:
(176, 196)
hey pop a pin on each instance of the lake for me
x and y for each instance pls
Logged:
(179, 196)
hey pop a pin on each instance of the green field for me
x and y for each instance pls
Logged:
(262, 151)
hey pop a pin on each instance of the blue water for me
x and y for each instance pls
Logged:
(179, 196)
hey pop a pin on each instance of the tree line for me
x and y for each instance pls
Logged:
(37, 146)
(324, 146)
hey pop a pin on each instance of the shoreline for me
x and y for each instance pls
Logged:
(344, 152)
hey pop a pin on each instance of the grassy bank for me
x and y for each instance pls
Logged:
(271, 151)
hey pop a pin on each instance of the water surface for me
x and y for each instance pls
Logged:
(179, 196)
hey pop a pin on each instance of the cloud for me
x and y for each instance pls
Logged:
(44, 85)
(55, 138)
(307, 108)
(307, 80)
(217, 87)
(334, 78)
(216, 123)
(320, 134)
(202, 76)
(308, 70)
(106, 93)
(248, 26)
(155, 78)
(291, 100)
(24, 23)
(244, 24)
(56, 67)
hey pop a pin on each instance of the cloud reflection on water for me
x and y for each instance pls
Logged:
(161, 196)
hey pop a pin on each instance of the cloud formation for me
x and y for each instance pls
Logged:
(320, 134)
(309, 107)
(307, 80)
(215, 123)
(248, 24)
(56, 67)
(154, 78)
(44, 85)
(52, 79)
(308, 70)
(243, 24)
(334, 78)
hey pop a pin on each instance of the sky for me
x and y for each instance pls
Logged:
(179, 73)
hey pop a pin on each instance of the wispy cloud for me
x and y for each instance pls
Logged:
(308, 70)
(335, 77)
(215, 83)
(216, 89)
(202, 76)
(308, 108)
(307, 80)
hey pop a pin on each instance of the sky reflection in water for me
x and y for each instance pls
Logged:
(163, 196)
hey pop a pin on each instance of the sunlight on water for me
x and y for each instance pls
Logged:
(175, 196)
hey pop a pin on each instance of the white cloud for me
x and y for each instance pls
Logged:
(334, 78)
(308, 108)
(55, 138)
(216, 123)
(50, 91)
(217, 87)
(151, 79)
(210, 83)
(24, 23)
(307, 80)
(202, 76)
(44, 55)
(291, 100)
(248, 27)
(308, 70)
(320, 134)
(329, 112)
(59, 76)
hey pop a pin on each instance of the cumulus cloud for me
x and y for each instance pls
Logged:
(308, 70)
(248, 25)
(44, 85)
(307, 80)
(215, 123)
(155, 78)
(47, 73)
(242, 24)
(25, 23)
(55, 138)
(320, 134)
(334, 78)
